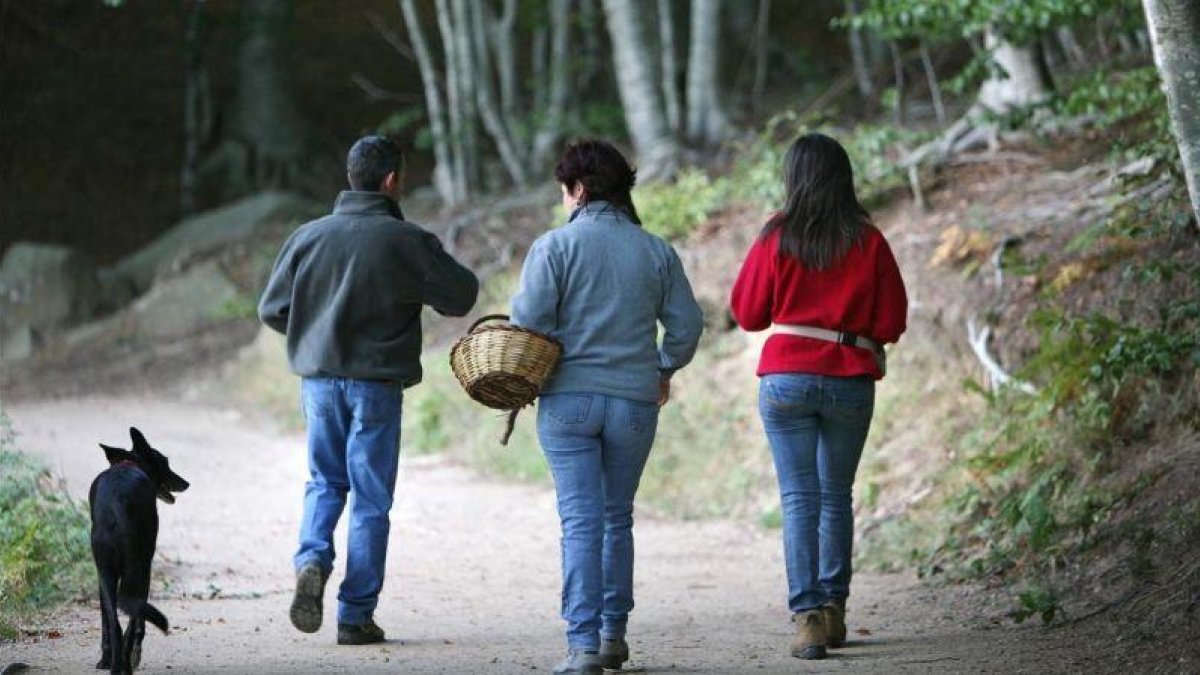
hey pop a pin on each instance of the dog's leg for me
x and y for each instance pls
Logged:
(105, 638)
(135, 631)
(112, 625)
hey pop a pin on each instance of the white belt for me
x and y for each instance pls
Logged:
(840, 337)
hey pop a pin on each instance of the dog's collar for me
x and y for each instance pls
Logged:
(127, 462)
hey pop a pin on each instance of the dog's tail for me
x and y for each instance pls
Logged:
(151, 614)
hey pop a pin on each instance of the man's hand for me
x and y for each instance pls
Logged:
(664, 391)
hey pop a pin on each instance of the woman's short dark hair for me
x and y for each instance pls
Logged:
(603, 172)
(822, 217)
(370, 160)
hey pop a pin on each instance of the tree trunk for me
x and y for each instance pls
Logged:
(935, 89)
(761, 43)
(1070, 46)
(197, 108)
(706, 121)
(506, 56)
(859, 57)
(496, 127)
(443, 181)
(266, 123)
(466, 82)
(454, 102)
(1175, 38)
(551, 129)
(670, 66)
(898, 109)
(1022, 80)
(658, 153)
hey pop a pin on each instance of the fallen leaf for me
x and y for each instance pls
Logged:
(53, 634)
(862, 631)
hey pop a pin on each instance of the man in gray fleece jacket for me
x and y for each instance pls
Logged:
(347, 290)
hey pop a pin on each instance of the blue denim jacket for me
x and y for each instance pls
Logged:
(601, 284)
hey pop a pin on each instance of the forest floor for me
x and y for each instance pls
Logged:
(472, 581)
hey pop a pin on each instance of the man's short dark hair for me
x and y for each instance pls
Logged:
(370, 160)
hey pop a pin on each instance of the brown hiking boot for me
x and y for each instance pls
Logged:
(810, 639)
(835, 622)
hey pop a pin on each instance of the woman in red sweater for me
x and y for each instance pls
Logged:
(825, 282)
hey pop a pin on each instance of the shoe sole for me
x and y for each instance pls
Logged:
(812, 653)
(306, 605)
(356, 642)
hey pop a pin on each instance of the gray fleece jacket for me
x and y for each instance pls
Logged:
(601, 285)
(347, 291)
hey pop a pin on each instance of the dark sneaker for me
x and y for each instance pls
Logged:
(580, 663)
(306, 604)
(363, 634)
(613, 653)
(835, 622)
(810, 639)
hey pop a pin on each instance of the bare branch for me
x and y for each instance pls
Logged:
(390, 36)
(978, 340)
(378, 93)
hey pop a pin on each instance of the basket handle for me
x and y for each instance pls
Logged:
(489, 317)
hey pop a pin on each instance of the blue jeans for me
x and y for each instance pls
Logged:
(816, 426)
(596, 447)
(353, 447)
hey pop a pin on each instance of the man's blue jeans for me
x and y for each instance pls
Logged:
(353, 447)
(596, 447)
(816, 426)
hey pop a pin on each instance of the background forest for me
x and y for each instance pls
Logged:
(1036, 442)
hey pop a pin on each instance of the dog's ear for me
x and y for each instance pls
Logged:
(116, 455)
(139, 441)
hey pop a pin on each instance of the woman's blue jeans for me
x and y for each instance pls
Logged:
(816, 426)
(596, 447)
(353, 447)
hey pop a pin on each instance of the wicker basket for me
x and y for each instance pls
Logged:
(503, 366)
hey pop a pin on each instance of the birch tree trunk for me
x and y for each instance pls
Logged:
(442, 179)
(506, 56)
(859, 57)
(1023, 79)
(496, 127)
(1175, 38)
(935, 89)
(466, 81)
(658, 153)
(706, 121)
(670, 66)
(454, 103)
(551, 128)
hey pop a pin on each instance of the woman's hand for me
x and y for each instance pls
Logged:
(664, 391)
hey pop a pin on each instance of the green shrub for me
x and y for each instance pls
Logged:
(1030, 484)
(44, 552)
(673, 210)
(875, 151)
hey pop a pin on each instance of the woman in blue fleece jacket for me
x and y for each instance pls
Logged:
(601, 285)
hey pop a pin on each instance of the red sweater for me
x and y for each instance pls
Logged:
(862, 294)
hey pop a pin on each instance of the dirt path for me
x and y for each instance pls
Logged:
(473, 575)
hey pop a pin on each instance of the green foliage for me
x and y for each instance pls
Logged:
(241, 306)
(44, 553)
(1030, 486)
(673, 210)
(1039, 601)
(874, 149)
(939, 20)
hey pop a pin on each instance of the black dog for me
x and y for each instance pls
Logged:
(124, 532)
